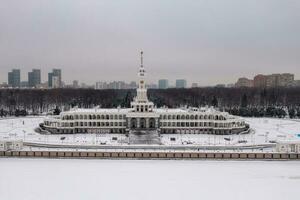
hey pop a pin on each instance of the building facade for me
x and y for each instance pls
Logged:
(181, 83)
(54, 79)
(144, 115)
(34, 78)
(274, 80)
(163, 84)
(244, 82)
(14, 78)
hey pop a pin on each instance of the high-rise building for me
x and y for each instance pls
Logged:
(34, 78)
(163, 84)
(14, 78)
(244, 82)
(56, 76)
(181, 83)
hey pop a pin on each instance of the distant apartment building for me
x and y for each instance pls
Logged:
(274, 80)
(75, 84)
(260, 81)
(268, 81)
(194, 85)
(56, 83)
(34, 78)
(112, 85)
(117, 85)
(286, 79)
(244, 82)
(100, 85)
(151, 86)
(181, 83)
(54, 79)
(163, 84)
(132, 85)
(14, 78)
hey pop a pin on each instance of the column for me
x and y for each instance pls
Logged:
(138, 121)
(156, 123)
(128, 122)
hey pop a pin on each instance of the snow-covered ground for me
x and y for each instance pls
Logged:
(61, 179)
(264, 131)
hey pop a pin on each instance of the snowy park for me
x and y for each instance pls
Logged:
(263, 131)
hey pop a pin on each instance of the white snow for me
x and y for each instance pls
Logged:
(265, 130)
(62, 179)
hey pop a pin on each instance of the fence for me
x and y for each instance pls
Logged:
(151, 155)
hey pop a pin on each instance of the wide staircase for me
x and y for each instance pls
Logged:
(144, 137)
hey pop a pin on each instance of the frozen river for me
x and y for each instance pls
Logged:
(47, 179)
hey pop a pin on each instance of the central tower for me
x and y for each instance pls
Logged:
(141, 103)
(142, 115)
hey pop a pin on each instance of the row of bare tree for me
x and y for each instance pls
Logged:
(39, 101)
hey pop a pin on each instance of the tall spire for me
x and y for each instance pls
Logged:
(142, 59)
(141, 102)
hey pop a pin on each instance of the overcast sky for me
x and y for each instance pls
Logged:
(204, 41)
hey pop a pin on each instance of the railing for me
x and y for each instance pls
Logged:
(151, 155)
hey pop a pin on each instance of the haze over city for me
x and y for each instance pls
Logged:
(207, 42)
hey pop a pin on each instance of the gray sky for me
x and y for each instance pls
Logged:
(204, 41)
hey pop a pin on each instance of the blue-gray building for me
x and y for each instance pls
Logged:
(163, 84)
(54, 79)
(181, 83)
(34, 78)
(14, 78)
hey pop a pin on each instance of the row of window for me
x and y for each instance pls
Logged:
(212, 117)
(162, 124)
(88, 124)
(196, 131)
(200, 124)
(78, 117)
(174, 117)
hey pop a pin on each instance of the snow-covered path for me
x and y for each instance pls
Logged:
(48, 179)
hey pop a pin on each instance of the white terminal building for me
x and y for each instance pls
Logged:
(143, 115)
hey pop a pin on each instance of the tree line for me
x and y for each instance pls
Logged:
(273, 102)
